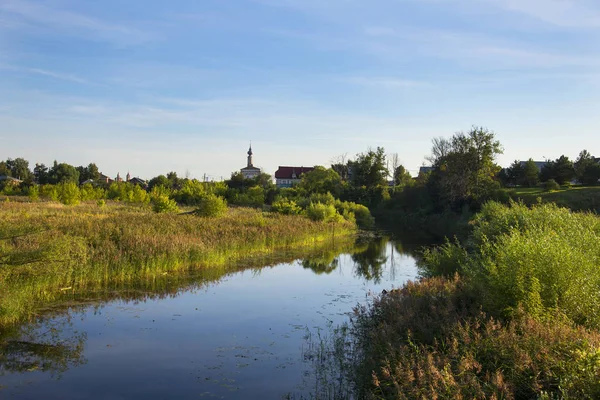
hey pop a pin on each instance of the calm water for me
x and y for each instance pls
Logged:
(240, 337)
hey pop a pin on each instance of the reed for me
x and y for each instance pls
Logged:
(48, 250)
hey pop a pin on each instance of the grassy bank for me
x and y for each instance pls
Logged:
(576, 198)
(48, 250)
(513, 312)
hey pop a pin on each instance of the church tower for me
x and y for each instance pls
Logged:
(250, 157)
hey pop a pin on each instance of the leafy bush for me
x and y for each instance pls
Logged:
(326, 198)
(34, 193)
(163, 204)
(356, 212)
(550, 185)
(286, 207)
(211, 206)
(101, 203)
(49, 192)
(68, 193)
(542, 259)
(322, 212)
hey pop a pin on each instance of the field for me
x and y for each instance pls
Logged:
(577, 198)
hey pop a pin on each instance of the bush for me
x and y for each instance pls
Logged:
(34, 193)
(163, 204)
(286, 206)
(322, 212)
(68, 193)
(211, 206)
(550, 185)
(429, 340)
(101, 203)
(355, 212)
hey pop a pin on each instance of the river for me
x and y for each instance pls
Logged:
(249, 334)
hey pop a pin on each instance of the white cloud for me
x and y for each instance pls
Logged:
(564, 13)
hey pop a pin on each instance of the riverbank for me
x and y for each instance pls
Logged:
(48, 250)
(512, 312)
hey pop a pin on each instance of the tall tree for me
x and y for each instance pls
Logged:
(4, 169)
(587, 169)
(402, 176)
(19, 168)
(530, 175)
(564, 171)
(465, 168)
(369, 169)
(40, 172)
(63, 173)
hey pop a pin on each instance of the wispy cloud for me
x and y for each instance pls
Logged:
(383, 82)
(564, 13)
(44, 72)
(38, 15)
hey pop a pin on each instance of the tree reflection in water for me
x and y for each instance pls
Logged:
(371, 258)
(48, 347)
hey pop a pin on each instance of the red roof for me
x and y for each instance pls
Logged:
(291, 172)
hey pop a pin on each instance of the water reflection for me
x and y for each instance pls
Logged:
(202, 332)
(47, 347)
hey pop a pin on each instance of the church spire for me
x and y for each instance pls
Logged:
(250, 156)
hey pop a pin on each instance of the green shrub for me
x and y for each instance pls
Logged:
(550, 185)
(101, 203)
(322, 212)
(326, 198)
(68, 193)
(34, 193)
(211, 206)
(355, 212)
(163, 204)
(49, 192)
(286, 207)
(429, 340)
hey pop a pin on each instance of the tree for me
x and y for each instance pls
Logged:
(530, 175)
(320, 180)
(4, 169)
(401, 176)
(464, 166)
(561, 170)
(40, 173)
(89, 172)
(340, 165)
(63, 173)
(19, 168)
(369, 169)
(587, 169)
(159, 180)
(514, 173)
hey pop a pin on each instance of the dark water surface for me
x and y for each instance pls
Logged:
(243, 336)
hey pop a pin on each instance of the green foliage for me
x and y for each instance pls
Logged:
(322, 212)
(211, 206)
(49, 192)
(34, 193)
(62, 173)
(429, 340)
(286, 206)
(551, 185)
(90, 192)
(561, 170)
(402, 176)
(68, 193)
(587, 169)
(355, 213)
(101, 203)
(163, 204)
(464, 166)
(127, 192)
(320, 181)
(369, 169)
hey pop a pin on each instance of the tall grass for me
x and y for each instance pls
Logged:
(48, 249)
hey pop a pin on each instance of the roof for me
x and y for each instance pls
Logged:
(250, 169)
(291, 172)
(538, 164)
(426, 169)
(9, 178)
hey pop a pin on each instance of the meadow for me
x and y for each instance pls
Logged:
(48, 251)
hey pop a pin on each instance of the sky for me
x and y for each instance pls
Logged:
(150, 86)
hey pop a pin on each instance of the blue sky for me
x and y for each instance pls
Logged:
(152, 86)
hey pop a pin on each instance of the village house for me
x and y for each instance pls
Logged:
(9, 180)
(250, 171)
(286, 177)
